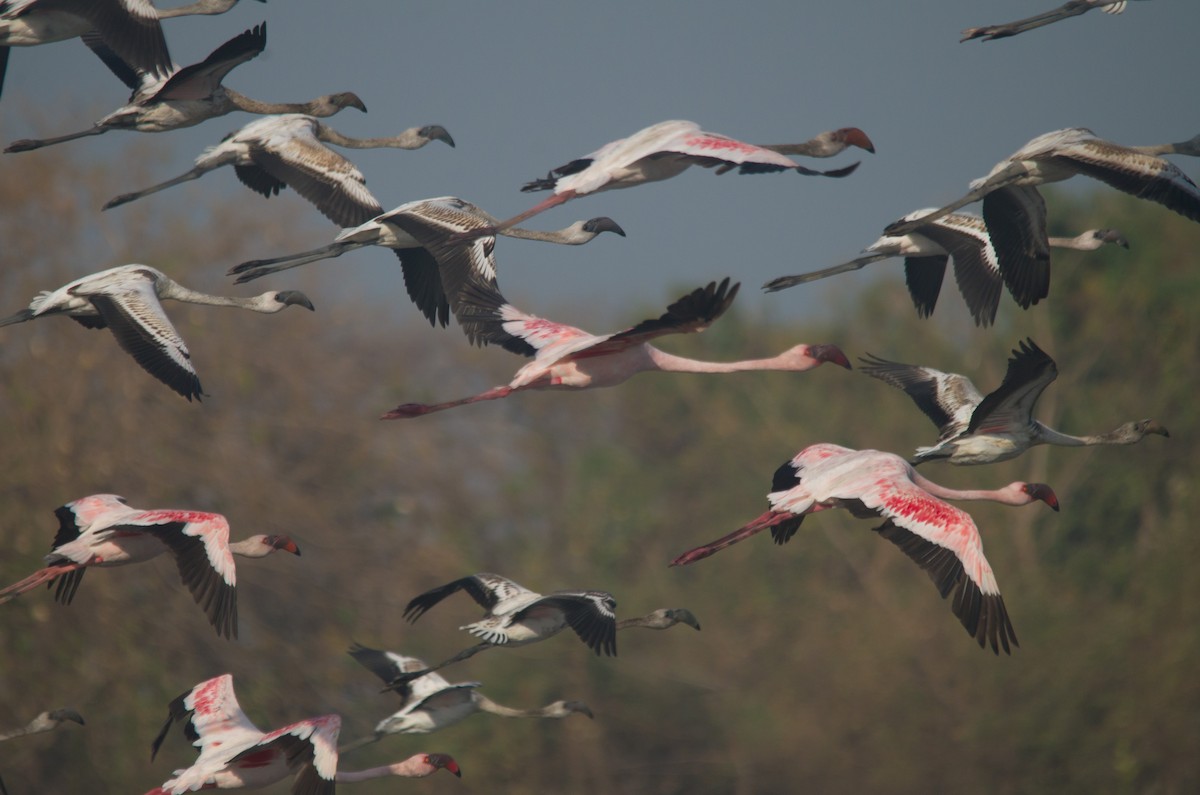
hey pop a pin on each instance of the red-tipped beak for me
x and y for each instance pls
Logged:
(452, 766)
(856, 137)
(1041, 491)
(829, 353)
(284, 544)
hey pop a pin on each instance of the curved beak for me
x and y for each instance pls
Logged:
(603, 224)
(67, 714)
(436, 132)
(829, 353)
(1040, 491)
(297, 298)
(853, 136)
(283, 544)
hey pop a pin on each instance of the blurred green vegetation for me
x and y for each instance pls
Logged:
(826, 665)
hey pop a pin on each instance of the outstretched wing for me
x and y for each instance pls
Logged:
(949, 399)
(590, 613)
(486, 589)
(1030, 370)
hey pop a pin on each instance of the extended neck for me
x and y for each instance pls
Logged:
(260, 303)
(409, 139)
(572, 235)
(668, 362)
(1190, 147)
(549, 711)
(413, 767)
(1129, 433)
(1009, 495)
(321, 106)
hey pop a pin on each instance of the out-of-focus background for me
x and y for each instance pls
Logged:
(828, 664)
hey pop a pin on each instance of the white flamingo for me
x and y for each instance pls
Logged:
(978, 270)
(191, 94)
(662, 151)
(235, 754)
(102, 531)
(973, 429)
(289, 150)
(126, 299)
(1071, 8)
(569, 358)
(1009, 193)
(939, 537)
(438, 218)
(130, 28)
(431, 703)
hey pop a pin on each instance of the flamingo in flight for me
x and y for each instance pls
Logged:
(666, 149)
(130, 28)
(978, 270)
(431, 703)
(939, 537)
(235, 754)
(45, 722)
(973, 429)
(1015, 212)
(289, 150)
(1071, 8)
(566, 357)
(517, 616)
(422, 274)
(190, 94)
(126, 299)
(102, 531)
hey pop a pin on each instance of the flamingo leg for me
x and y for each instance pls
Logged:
(124, 198)
(1073, 8)
(768, 519)
(408, 410)
(261, 267)
(552, 201)
(46, 575)
(26, 144)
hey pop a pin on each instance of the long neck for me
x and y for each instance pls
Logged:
(252, 547)
(680, 364)
(1084, 242)
(413, 767)
(1126, 434)
(317, 107)
(200, 7)
(409, 139)
(572, 235)
(1190, 147)
(176, 291)
(1006, 495)
(487, 705)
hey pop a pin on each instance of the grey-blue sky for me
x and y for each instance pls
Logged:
(526, 86)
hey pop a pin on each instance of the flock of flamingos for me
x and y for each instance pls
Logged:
(446, 250)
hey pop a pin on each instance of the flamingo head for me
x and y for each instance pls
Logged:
(287, 298)
(59, 715)
(436, 132)
(1113, 236)
(852, 136)
(442, 761)
(281, 544)
(603, 224)
(562, 709)
(816, 355)
(1150, 426)
(1040, 491)
(681, 615)
(346, 99)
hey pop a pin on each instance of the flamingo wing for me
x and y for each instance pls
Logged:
(143, 330)
(944, 541)
(211, 717)
(309, 749)
(1030, 370)
(976, 268)
(1142, 175)
(1016, 221)
(199, 543)
(948, 399)
(74, 519)
(322, 176)
(390, 666)
(923, 276)
(132, 31)
(693, 312)
(258, 180)
(591, 614)
(199, 81)
(486, 589)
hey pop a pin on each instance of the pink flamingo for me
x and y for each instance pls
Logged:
(569, 358)
(102, 530)
(668, 148)
(235, 754)
(939, 537)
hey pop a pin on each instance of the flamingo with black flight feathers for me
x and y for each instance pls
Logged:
(666, 149)
(235, 754)
(102, 530)
(942, 539)
(973, 429)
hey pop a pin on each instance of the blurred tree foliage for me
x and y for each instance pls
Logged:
(826, 665)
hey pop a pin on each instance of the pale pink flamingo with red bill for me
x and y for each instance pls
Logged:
(235, 754)
(666, 149)
(942, 539)
(102, 530)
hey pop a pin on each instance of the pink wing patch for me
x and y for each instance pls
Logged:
(720, 143)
